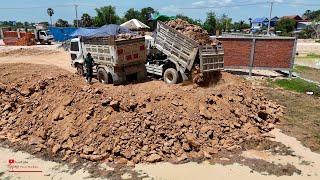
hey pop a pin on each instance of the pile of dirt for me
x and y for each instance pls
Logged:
(193, 31)
(144, 122)
(27, 52)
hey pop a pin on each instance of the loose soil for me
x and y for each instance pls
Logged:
(27, 52)
(53, 111)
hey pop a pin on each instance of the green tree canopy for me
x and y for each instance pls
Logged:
(86, 20)
(286, 26)
(106, 15)
(211, 23)
(312, 15)
(132, 14)
(62, 23)
(145, 15)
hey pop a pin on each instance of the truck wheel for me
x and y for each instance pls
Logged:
(103, 76)
(42, 42)
(170, 76)
(49, 43)
(80, 70)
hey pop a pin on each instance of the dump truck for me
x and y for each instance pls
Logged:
(43, 36)
(175, 56)
(115, 59)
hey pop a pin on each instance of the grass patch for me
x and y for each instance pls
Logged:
(310, 55)
(301, 116)
(297, 85)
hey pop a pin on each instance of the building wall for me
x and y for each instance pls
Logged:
(269, 52)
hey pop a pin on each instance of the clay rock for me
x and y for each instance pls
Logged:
(88, 150)
(192, 140)
(122, 161)
(203, 111)
(56, 148)
(93, 157)
(154, 158)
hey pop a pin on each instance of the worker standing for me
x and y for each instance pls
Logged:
(89, 67)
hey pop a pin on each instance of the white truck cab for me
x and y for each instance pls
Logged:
(77, 55)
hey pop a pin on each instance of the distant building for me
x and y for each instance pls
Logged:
(274, 21)
(301, 23)
(297, 18)
(259, 23)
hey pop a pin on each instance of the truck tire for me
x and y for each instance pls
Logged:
(171, 76)
(103, 76)
(80, 70)
(49, 43)
(42, 42)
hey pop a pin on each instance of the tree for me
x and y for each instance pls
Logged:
(50, 13)
(211, 22)
(86, 20)
(106, 15)
(315, 26)
(145, 15)
(132, 14)
(45, 24)
(190, 20)
(224, 23)
(286, 26)
(312, 15)
(62, 23)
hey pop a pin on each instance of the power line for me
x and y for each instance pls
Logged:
(35, 7)
(181, 8)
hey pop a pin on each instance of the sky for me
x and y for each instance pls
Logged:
(35, 10)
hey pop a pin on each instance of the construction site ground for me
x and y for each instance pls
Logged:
(290, 151)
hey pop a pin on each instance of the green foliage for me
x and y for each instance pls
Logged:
(224, 23)
(106, 15)
(312, 15)
(86, 20)
(190, 20)
(211, 23)
(62, 23)
(240, 25)
(146, 15)
(132, 14)
(297, 85)
(286, 26)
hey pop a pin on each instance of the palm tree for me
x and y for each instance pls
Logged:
(50, 13)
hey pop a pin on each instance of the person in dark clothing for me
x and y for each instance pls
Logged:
(89, 67)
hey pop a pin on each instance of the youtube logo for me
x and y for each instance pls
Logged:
(11, 161)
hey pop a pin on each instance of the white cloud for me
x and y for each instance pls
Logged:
(197, 3)
(170, 8)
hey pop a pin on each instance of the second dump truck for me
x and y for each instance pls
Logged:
(175, 56)
(115, 59)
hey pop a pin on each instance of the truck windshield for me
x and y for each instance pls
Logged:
(74, 46)
(43, 33)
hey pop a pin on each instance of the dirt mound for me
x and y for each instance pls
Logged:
(145, 122)
(193, 31)
(27, 52)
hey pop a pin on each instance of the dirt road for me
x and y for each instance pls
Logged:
(281, 157)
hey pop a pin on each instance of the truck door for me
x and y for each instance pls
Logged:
(76, 52)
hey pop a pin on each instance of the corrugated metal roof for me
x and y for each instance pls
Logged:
(260, 20)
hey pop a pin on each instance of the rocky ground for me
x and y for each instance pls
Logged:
(143, 122)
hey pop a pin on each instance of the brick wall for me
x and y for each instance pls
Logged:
(269, 53)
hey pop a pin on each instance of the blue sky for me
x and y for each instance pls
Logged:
(64, 9)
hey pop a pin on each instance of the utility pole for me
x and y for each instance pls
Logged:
(268, 31)
(76, 7)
